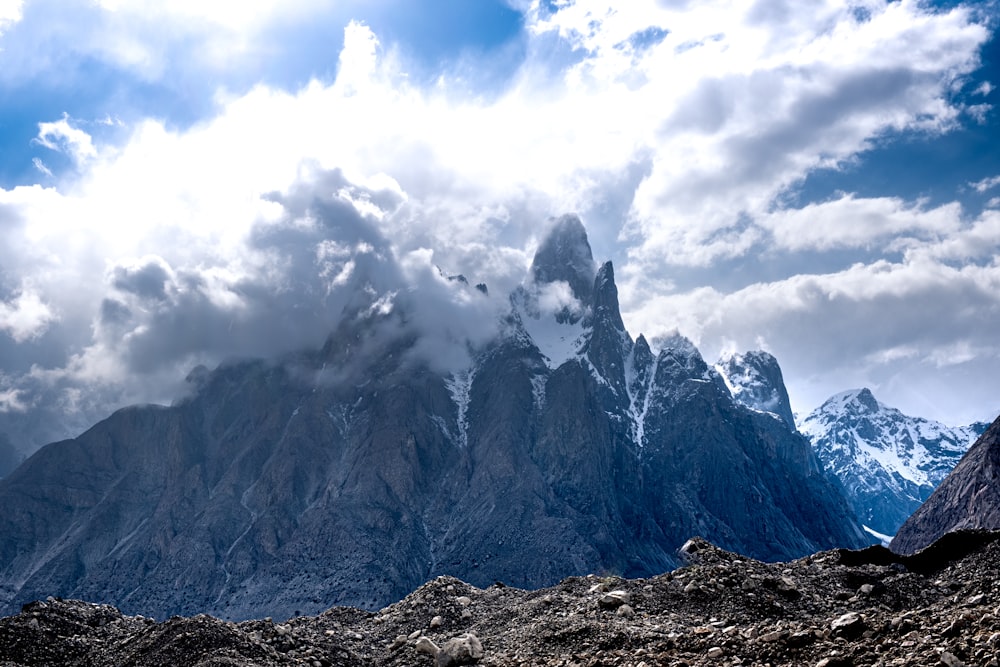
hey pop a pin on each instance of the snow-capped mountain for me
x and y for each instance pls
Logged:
(754, 379)
(967, 499)
(888, 462)
(354, 473)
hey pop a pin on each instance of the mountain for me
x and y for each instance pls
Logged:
(888, 462)
(352, 474)
(754, 379)
(968, 498)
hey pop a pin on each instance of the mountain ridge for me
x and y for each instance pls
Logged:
(351, 474)
(889, 462)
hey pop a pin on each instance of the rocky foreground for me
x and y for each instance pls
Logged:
(938, 607)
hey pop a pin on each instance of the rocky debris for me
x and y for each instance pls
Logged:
(834, 608)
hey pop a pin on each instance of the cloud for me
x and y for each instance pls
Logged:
(880, 324)
(24, 316)
(986, 184)
(851, 222)
(10, 13)
(62, 137)
(676, 130)
(40, 166)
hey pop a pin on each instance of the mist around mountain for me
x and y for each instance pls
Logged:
(353, 473)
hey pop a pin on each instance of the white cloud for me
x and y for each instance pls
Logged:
(851, 222)
(62, 137)
(40, 166)
(878, 324)
(674, 148)
(25, 316)
(10, 13)
(986, 184)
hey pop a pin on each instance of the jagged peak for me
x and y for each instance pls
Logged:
(755, 380)
(565, 255)
(856, 400)
(606, 297)
(642, 347)
(677, 344)
(756, 357)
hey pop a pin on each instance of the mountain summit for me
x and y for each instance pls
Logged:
(888, 462)
(565, 255)
(354, 473)
(755, 380)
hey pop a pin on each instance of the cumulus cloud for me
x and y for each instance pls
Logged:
(10, 12)
(881, 324)
(851, 222)
(676, 130)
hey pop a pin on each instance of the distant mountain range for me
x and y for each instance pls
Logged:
(967, 499)
(888, 463)
(354, 473)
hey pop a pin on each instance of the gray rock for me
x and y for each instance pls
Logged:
(427, 647)
(848, 625)
(462, 650)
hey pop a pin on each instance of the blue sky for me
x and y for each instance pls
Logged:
(822, 182)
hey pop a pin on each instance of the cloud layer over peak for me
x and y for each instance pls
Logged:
(241, 181)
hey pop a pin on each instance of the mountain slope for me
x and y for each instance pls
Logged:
(888, 462)
(352, 474)
(968, 498)
(9, 456)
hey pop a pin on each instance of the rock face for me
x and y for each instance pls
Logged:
(889, 463)
(832, 608)
(969, 497)
(351, 474)
(755, 380)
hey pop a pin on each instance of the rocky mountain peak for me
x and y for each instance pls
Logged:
(565, 255)
(609, 344)
(348, 475)
(606, 297)
(866, 400)
(854, 401)
(754, 378)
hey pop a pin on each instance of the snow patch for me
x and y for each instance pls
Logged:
(538, 383)
(460, 387)
(885, 539)
(639, 404)
(557, 341)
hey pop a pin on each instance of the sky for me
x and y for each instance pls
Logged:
(191, 181)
